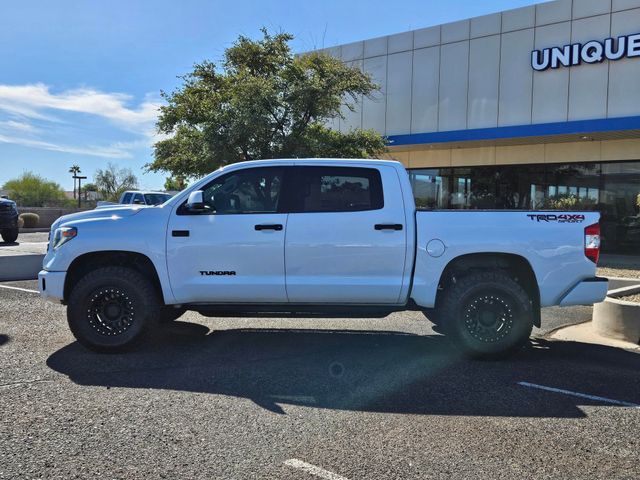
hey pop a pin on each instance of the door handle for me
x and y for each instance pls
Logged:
(275, 226)
(180, 233)
(388, 226)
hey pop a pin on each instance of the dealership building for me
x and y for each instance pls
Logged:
(533, 108)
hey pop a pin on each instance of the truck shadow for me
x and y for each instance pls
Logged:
(360, 370)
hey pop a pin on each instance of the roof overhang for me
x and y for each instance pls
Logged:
(572, 131)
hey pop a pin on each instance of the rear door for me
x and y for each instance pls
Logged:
(346, 236)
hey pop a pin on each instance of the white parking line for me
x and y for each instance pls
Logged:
(578, 394)
(313, 470)
(19, 289)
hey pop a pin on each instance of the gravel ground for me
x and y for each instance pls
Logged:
(244, 398)
(618, 272)
(631, 298)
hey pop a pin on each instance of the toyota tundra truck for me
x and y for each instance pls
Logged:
(321, 237)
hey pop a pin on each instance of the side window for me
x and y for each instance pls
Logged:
(339, 189)
(255, 190)
(138, 199)
(127, 197)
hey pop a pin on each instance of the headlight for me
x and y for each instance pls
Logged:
(62, 235)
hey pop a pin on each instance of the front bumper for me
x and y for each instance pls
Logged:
(51, 285)
(586, 292)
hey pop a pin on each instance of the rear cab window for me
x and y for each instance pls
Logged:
(127, 197)
(337, 189)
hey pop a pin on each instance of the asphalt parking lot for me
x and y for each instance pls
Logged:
(307, 398)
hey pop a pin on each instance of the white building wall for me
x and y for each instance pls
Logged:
(477, 73)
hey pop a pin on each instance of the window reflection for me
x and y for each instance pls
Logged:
(610, 188)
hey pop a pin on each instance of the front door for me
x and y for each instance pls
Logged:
(233, 251)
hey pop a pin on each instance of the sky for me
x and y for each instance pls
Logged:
(80, 80)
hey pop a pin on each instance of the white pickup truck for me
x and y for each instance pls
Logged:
(308, 237)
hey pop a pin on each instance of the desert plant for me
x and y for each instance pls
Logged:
(20, 222)
(30, 219)
(568, 202)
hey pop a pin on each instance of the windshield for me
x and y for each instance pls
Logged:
(156, 198)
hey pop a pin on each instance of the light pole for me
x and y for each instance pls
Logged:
(79, 178)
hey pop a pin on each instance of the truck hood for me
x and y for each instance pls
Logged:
(106, 212)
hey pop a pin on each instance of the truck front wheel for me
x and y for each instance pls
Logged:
(487, 314)
(111, 309)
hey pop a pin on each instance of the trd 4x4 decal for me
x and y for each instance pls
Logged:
(561, 218)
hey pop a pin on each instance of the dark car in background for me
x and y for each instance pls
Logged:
(8, 220)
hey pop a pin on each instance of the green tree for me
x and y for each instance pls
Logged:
(112, 181)
(265, 102)
(173, 184)
(31, 190)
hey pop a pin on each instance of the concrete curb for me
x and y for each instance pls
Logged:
(619, 319)
(20, 267)
(615, 323)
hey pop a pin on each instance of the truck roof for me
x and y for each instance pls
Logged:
(143, 191)
(313, 161)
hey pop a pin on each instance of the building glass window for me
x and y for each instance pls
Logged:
(610, 188)
(619, 200)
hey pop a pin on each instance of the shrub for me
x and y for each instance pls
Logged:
(20, 222)
(30, 219)
(31, 190)
(569, 201)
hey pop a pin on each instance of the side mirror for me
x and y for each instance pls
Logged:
(195, 202)
(138, 202)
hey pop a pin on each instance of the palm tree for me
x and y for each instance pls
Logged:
(74, 170)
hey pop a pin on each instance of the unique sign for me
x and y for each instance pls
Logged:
(627, 46)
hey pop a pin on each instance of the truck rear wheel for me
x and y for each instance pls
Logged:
(487, 314)
(10, 235)
(111, 309)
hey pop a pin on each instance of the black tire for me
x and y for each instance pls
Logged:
(111, 309)
(10, 235)
(487, 314)
(432, 315)
(169, 313)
